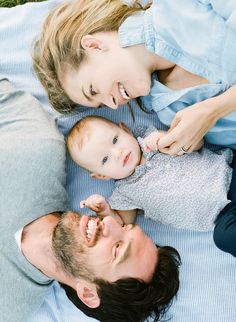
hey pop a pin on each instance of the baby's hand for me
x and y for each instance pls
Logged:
(150, 142)
(94, 202)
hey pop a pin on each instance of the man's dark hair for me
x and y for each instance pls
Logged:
(133, 300)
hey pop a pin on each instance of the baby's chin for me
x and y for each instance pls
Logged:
(125, 175)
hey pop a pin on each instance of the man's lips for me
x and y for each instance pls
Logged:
(127, 159)
(89, 227)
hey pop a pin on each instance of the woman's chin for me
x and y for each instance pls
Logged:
(144, 90)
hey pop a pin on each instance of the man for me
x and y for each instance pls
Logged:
(98, 262)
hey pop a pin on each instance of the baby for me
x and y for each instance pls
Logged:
(185, 191)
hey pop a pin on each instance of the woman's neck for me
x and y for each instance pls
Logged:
(151, 61)
(160, 63)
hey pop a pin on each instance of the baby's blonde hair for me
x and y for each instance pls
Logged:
(58, 46)
(75, 136)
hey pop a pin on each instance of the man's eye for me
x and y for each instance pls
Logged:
(116, 249)
(115, 139)
(92, 91)
(104, 160)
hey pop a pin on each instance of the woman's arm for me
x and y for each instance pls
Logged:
(192, 123)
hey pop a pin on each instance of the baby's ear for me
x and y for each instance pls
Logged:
(124, 127)
(99, 176)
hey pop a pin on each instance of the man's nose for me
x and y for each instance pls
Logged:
(110, 227)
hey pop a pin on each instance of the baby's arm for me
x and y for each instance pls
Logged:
(99, 204)
(128, 216)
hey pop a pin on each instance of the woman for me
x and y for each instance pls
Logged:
(96, 52)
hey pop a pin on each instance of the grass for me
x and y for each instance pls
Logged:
(12, 3)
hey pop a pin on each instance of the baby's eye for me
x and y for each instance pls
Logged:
(92, 91)
(115, 139)
(104, 160)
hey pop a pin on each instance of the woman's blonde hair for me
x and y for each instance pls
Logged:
(58, 46)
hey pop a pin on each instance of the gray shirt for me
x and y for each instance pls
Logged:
(185, 191)
(32, 177)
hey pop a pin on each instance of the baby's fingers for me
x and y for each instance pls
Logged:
(82, 204)
(91, 204)
(146, 145)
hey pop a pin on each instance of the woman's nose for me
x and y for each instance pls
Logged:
(110, 101)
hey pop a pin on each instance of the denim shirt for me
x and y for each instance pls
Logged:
(199, 36)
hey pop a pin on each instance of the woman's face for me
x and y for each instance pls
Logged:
(109, 75)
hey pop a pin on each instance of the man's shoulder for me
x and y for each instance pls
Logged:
(13, 286)
(21, 113)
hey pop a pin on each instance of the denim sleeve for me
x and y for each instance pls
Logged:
(225, 9)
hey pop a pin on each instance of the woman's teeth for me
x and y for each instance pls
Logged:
(90, 229)
(123, 92)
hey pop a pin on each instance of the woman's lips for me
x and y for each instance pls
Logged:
(123, 92)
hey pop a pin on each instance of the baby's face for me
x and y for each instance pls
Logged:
(108, 151)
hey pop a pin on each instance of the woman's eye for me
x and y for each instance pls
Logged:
(115, 139)
(92, 91)
(104, 160)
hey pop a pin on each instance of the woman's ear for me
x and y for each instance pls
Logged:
(89, 42)
(87, 293)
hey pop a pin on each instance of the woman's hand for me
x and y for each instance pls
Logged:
(188, 128)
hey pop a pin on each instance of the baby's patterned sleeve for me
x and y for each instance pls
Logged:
(119, 200)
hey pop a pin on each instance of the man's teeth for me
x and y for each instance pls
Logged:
(90, 228)
(123, 92)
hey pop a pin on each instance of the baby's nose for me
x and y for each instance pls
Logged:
(118, 153)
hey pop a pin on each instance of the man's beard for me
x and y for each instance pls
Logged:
(69, 247)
